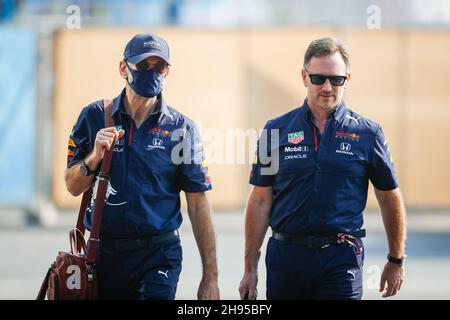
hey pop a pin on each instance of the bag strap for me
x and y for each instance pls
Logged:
(98, 210)
(44, 286)
(103, 180)
(84, 203)
(87, 195)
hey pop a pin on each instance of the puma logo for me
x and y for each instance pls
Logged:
(351, 273)
(164, 273)
(353, 118)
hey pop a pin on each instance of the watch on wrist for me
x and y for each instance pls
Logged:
(85, 170)
(397, 261)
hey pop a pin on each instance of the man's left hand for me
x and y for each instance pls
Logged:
(208, 290)
(391, 279)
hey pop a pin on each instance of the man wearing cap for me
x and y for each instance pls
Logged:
(310, 180)
(157, 153)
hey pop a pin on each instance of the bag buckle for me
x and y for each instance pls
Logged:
(90, 272)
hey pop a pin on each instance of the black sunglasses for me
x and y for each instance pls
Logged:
(144, 65)
(319, 79)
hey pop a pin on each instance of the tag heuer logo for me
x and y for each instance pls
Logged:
(296, 137)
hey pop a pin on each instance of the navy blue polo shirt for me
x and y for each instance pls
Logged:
(146, 179)
(322, 180)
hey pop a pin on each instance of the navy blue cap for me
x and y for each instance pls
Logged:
(146, 45)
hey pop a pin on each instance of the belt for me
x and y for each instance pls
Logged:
(138, 243)
(315, 241)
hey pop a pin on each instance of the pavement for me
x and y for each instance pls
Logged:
(27, 251)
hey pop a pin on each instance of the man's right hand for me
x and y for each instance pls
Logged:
(104, 140)
(76, 182)
(248, 285)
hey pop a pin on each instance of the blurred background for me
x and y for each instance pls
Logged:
(235, 64)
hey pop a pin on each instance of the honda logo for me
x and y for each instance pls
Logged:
(345, 146)
(157, 142)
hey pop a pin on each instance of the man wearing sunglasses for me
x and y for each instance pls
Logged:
(140, 252)
(314, 200)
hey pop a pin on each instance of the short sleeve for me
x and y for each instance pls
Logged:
(80, 143)
(262, 173)
(381, 168)
(194, 168)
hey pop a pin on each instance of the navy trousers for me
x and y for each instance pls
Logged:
(145, 272)
(298, 272)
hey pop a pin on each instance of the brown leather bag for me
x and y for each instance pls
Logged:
(73, 276)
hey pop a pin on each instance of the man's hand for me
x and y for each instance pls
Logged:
(208, 290)
(391, 279)
(200, 216)
(76, 182)
(256, 225)
(393, 214)
(248, 285)
(103, 142)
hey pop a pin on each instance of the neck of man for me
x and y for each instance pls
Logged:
(319, 115)
(138, 107)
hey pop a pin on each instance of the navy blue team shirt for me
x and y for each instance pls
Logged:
(143, 194)
(322, 180)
